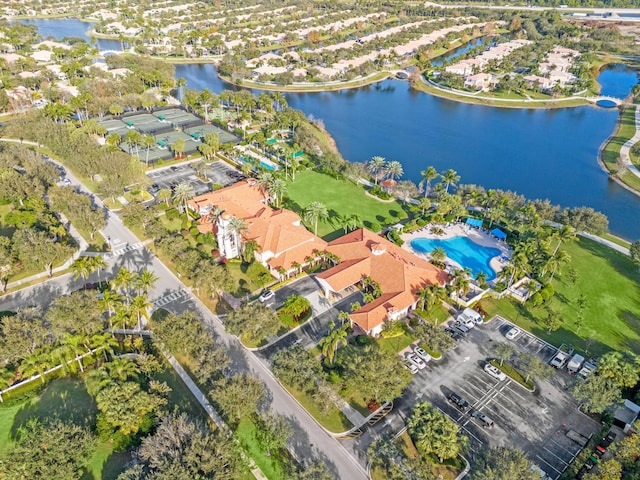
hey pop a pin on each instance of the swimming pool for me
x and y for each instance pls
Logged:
(463, 251)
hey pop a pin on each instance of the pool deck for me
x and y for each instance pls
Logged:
(478, 236)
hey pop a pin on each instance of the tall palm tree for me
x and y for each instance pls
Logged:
(109, 302)
(139, 309)
(565, 234)
(394, 169)
(105, 343)
(165, 195)
(147, 142)
(237, 226)
(145, 281)
(427, 175)
(277, 190)
(438, 254)
(124, 281)
(98, 264)
(424, 204)
(76, 346)
(332, 342)
(182, 194)
(375, 167)
(450, 177)
(314, 212)
(264, 180)
(80, 268)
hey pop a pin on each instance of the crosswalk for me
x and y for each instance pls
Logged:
(171, 297)
(127, 248)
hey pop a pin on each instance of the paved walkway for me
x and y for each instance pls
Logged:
(626, 148)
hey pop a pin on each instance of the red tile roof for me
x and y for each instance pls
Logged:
(399, 273)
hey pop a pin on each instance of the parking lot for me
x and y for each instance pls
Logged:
(218, 172)
(536, 423)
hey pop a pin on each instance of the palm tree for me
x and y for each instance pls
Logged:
(560, 258)
(147, 142)
(105, 343)
(461, 281)
(438, 254)
(264, 180)
(145, 281)
(165, 195)
(36, 364)
(277, 189)
(424, 204)
(481, 277)
(394, 169)
(565, 234)
(122, 317)
(427, 175)
(332, 342)
(76, 345)
(139, 308)
(98, 264)
(109, 302)
(133, 139)
(178, 147)
(503, 351)
(450, 177)
(314, 212)
(121, 369)
(80, 268)
(124, 280)
(375, 167)
(182, 194)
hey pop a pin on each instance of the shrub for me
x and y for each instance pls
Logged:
(421, 222)
(364, 340)
(200, 237)
(217, 186)
(536, 299)
(160, 162)
(171, 214)
(375, 227)
(378, 192)
(186, 224)
(194, 231)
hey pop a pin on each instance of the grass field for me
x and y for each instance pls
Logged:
(610, 283)
(334, 421)
(341, 197)
(270, 465)
(611, 152)
(68, 400)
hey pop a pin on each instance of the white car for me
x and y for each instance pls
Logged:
(495, 372)
(413, 368)
(513, 333)
(417, 361)
(420, 352)
(266, 296)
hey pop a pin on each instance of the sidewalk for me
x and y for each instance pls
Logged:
(626, 148)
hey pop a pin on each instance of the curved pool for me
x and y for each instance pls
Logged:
(463, 251)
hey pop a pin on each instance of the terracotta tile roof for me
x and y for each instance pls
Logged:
(399, 273)
(275, 231)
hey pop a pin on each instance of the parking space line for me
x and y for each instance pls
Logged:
(559, 458)
(547, 463)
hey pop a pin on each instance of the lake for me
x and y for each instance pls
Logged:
(538, 153)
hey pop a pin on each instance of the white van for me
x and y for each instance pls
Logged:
(473, 315)
(466, 321)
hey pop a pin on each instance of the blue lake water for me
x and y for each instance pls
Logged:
(463, 251)
(617, 80)
(457, 52)
(538, 153)
(60, 28)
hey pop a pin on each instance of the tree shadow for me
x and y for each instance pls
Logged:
(66, 400)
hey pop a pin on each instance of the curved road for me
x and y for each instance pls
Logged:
(309, 439)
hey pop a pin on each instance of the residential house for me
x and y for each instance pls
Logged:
(399, 274)
(481, 81)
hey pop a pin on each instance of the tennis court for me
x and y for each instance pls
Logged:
(201, 130)
(146, 123)
(169, 138)
(114, 126)
(177, 117)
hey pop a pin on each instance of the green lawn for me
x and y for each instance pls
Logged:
(242, 283)
(611, 152)
(436, 315)
(334, 421)
(609, 281)
(341, 197)
(271, 465)
(5, 230)
(396, 344)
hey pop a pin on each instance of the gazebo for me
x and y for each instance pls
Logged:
(474, 222)
(499, 234)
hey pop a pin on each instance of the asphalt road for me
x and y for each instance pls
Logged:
(309, 440)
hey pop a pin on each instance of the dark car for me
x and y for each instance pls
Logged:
(458, 401)
(456, 335)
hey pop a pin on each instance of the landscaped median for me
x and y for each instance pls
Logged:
(514, 374)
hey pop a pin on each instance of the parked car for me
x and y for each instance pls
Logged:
(454, 333)
(417, 361)
(495, 372)
(484, 420)
(420, 352)
(413, 368)
(460, 327)
(473, 315)
(575, 364)
(466, 321)
(66, 182)
(513, 333)
(560, 360)
(458, 401)
(586, 370)
(266, 296)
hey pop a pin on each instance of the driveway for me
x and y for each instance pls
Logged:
(536, 423)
